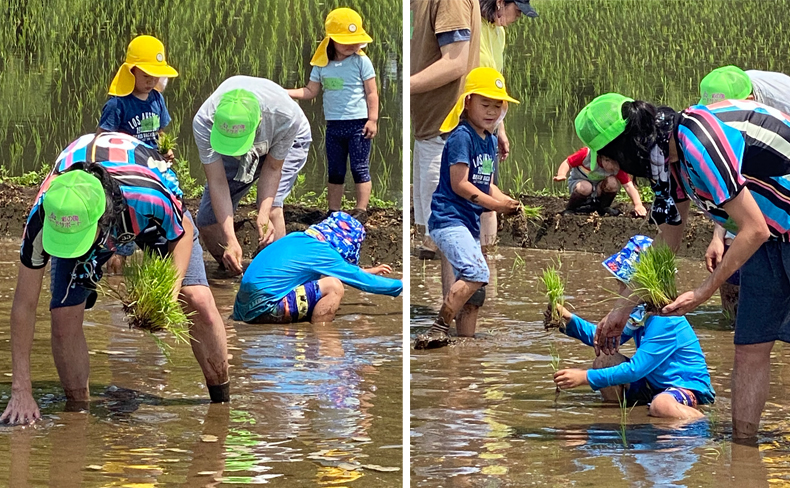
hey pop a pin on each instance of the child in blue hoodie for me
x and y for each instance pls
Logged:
(668, 370)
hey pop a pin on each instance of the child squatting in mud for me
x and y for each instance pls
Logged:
(668, 371)
(465, 190)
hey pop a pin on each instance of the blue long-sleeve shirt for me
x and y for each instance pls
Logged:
(294, 260)
(667, 354)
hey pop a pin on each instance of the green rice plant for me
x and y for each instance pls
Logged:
(188, 184)
(518, 263)
(555, 357)
(555, 293)
(167, 142)
(532, 213)
(147, 297)
(653, 280)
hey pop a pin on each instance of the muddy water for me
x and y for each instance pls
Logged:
(310, 405)
(484, 412)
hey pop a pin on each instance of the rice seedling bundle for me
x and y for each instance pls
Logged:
(653, 280)
(555, 293)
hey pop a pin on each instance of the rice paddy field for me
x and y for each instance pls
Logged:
(655, 50)
(57, 59)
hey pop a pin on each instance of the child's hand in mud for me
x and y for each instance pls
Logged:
(382, 269)
(640, 211)
(570, 378)
(509, 206)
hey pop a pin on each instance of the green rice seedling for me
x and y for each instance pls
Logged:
(555, 292)
(518, 263)
(167, 142)
(532, 213)
(624, 413)
(555, 365)
(147, 296)
(654, 277)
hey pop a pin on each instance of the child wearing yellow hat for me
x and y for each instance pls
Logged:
(351, 103)
(135, 106)
(465, 189)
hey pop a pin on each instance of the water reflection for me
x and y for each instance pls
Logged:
(311, 405)
(485, 413)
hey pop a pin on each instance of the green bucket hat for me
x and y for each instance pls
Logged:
(600, 122)
(73, 205)
(235, 123)
(725, 83)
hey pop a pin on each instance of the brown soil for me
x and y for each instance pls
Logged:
(383, 244)
(592, 232)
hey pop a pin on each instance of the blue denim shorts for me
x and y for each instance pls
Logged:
(463, 252)
(74, 282)
(764, 302)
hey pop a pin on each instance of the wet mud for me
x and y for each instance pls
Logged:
(383, 244)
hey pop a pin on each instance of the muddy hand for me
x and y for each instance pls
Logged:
(22, 409)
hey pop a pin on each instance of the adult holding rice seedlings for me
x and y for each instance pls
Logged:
(104, 190)
(668, 370)
(300, 277)
(465, 189)
(496, 15)
(732, 83)
(732, 160)
(445, 46)
(248, 132)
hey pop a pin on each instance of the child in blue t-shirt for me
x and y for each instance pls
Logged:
(668, 370)
(351, 104)
(465, 189)
(135, 107)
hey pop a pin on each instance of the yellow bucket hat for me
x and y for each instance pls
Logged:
(487, 82)
(148, 54)
(344, 26)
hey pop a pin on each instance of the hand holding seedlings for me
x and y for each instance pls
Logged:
(265, 231)
(570, 378)
(232, 256)
(508, 207)
(382, 269)
(555, 292)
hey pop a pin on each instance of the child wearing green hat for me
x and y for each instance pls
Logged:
(732, 83)
(351, 104)
(465, 189)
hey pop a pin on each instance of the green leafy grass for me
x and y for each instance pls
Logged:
(654, 276)
(147, 296)
(555, 291)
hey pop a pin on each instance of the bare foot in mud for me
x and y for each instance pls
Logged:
(433, 340)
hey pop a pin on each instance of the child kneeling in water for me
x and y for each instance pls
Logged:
(668, 370)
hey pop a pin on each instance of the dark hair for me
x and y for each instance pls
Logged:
(631, 149)
(115, 204)
(331, 52)
(488, 9)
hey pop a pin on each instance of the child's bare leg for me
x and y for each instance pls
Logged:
(456, 298)
(664, 405)
(363, 194)
(331, 294)
(610, 393)
(580, 194)
(335, 196)
(466, 320)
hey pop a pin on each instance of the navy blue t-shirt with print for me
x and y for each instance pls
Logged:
(464, 146)
(139, 118)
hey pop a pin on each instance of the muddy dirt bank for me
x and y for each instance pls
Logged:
(592, 233)
(382, 245)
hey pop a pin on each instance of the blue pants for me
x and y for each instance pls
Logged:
(344, 141)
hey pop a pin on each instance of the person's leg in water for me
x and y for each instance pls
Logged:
(332, 292)
(675, 403)
(70, 351)
(463, 255)
(581, 195)
(607, 190)
(751, 376)
(207, 331)
(610, 393)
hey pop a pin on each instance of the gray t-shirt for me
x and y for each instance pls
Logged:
(771, 88)
(282, 123)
